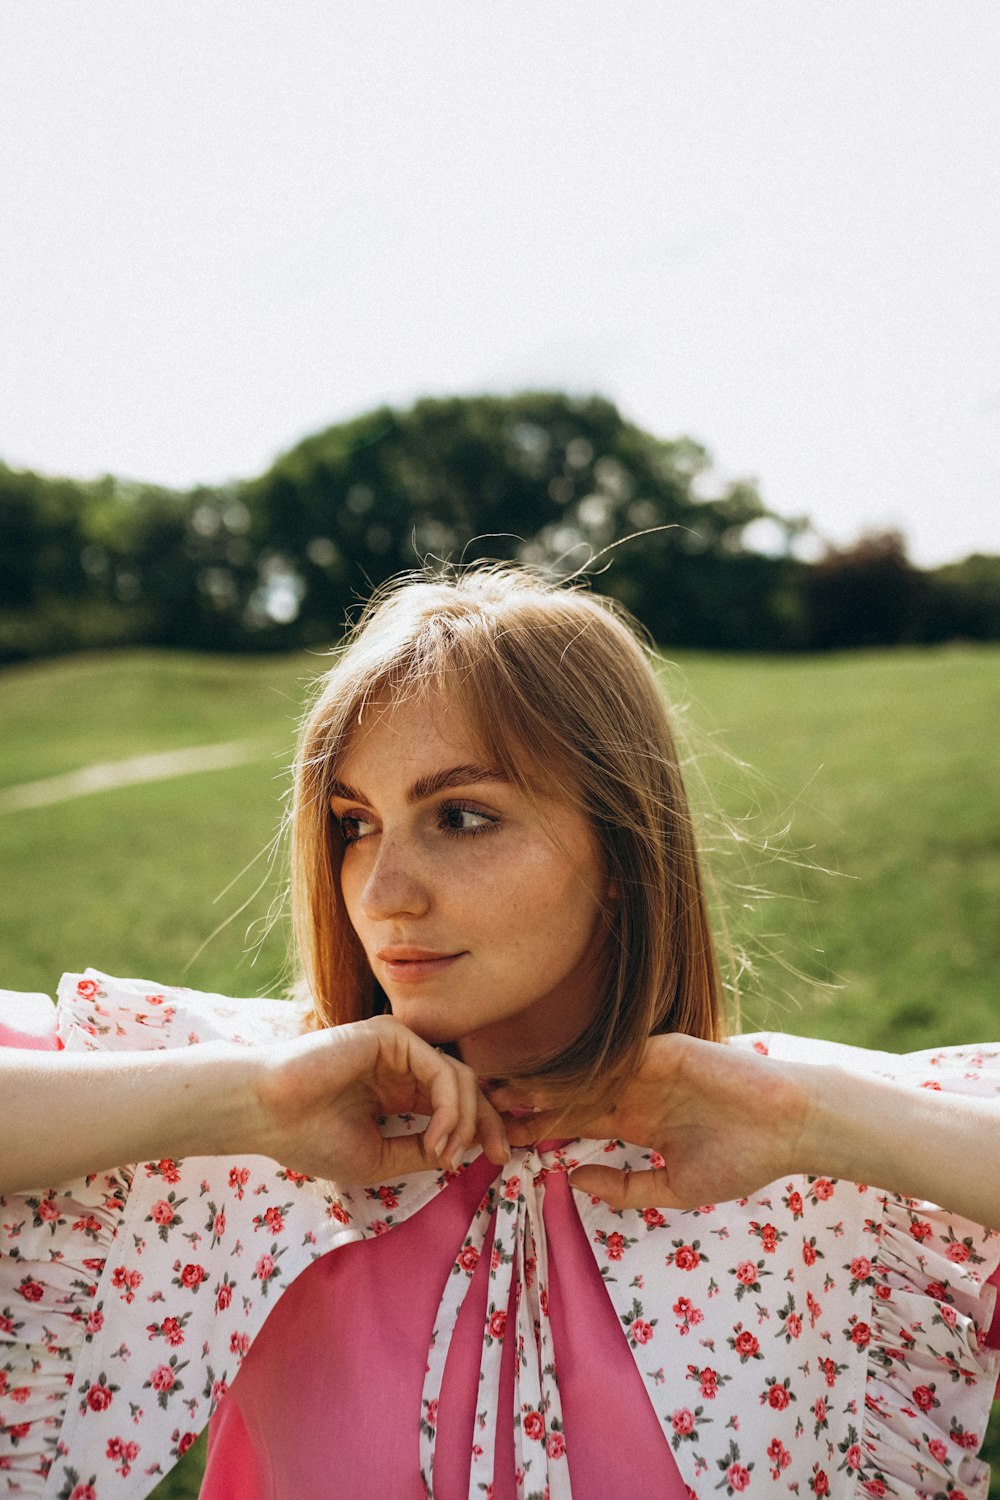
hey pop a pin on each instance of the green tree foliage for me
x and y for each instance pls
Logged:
(279, 560)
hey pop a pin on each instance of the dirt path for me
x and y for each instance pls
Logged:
(110, 774)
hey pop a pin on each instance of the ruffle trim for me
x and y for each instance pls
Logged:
(54, 1243)
(930, 1380)
(53, 1247)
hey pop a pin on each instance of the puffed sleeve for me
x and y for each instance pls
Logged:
(53, 1244)
(932, 1357)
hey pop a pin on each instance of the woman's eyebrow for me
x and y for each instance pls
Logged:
(426, 786)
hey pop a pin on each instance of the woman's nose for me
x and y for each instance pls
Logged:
(394, 885)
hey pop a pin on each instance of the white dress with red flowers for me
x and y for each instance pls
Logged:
(817, 1338)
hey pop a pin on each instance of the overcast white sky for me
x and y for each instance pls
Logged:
(773, 227)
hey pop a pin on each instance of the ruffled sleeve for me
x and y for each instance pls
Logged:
(931, 1376)
(53, 1245)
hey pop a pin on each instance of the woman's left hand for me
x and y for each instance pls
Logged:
(724, 1121)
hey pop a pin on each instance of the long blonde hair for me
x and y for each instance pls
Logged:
(557, 686)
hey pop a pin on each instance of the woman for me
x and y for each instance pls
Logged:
(491, 841)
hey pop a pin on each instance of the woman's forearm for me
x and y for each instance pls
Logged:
(313, 1102)
(66, 1115)
(922, 1143)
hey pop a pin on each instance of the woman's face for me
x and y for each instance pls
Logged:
(479, 910)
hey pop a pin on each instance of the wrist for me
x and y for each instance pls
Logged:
(835, 1129)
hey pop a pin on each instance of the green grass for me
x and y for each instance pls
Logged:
(871, 920)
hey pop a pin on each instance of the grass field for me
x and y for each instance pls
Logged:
(858, 860)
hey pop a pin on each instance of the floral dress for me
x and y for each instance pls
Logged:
(816, 1338)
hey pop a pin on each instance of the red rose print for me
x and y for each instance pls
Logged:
(239, 1343)
(128, 1280)
(162, 1378)
(185, 1443)
(778, 1397)
(861, 1267)
(653, 1218)
(468, 1258)
(534, 1426)
(511, 1189)
(87, 988)
(820, 1483)
(795, 1204)
(98, 1398)
(238, 1179)
(339, 1212)
(883, 1292)
(223, 1297)
(172, 1331)
(162, 1212)
(219, 1225)
(938, 1450)
(686, 1258)
(861, 1334)
(683, 1421)
(556, 1445)
(192, 1276)
(768, 1238)
(497, 1324)
(95, 1322)
(641, 1331)
(808, 1253)
(615, 1245)
(779, 1456)
(793, 1325)
(83, 1491)
(19, 1430)
(854, 1456)
(738, 1477)
(746, 1272)
(746, 1345)
(265, 1267)
(958, 1252)
(921, 1230)
(275, 1222)
(47, 1210)
(924, 1397)
(823, 1188)
(709, 1384)
(819, 1410)
(31, 1290)
(387, 1197)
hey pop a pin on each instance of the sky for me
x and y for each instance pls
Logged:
(772, 227)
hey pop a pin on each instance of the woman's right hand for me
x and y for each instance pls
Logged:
(312, 1103)
(321, 1096)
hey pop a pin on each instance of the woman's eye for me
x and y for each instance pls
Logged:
(466, 820)
(354, 828)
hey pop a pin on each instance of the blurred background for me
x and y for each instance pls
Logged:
(295, 300)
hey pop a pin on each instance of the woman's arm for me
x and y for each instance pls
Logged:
(312, 1103)
(727, 1121)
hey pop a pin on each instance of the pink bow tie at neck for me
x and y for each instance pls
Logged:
(518, 1260)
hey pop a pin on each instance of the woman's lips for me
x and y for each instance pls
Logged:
(409, 965)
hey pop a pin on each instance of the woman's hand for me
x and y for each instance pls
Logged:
(312, 1102)
(728, 1121)
(725, 1121)
(322, 1095)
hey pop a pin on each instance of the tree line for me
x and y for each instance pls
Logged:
(280, 560)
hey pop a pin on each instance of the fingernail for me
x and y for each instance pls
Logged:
(456, 1160)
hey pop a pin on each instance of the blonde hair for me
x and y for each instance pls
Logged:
(557, 686)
